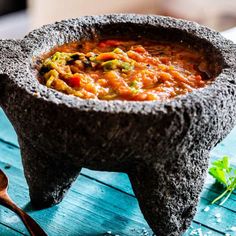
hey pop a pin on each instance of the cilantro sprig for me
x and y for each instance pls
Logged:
(225, 174)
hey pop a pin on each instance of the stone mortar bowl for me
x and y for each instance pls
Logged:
(162, 146)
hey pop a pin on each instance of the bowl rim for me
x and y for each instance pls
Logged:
(44, 38)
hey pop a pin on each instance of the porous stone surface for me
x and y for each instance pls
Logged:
(163, 146)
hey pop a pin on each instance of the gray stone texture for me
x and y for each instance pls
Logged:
(163, 146)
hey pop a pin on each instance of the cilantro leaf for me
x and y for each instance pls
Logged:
(224, 174)
(218, 174)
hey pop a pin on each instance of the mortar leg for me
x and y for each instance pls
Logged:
(168, 196)
(48, 177)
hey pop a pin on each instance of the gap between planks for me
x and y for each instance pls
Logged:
(13, 145)
(209, 227)
(128, 192)
(9, 228)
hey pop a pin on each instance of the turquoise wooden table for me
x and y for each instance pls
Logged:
(102, 203)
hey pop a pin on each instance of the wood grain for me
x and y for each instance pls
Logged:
(100, 202)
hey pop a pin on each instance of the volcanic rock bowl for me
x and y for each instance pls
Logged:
(162, 146)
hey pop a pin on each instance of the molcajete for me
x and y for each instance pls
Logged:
(162, 145)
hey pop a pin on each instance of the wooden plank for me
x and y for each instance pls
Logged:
(226, 147)
(223, 223)
(89, 207)
(10, 155)
(209, 195)
(217, 188)
(199, 229)
(88, 204)
(8, 231)
(7, 132)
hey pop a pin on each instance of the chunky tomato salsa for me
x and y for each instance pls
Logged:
(111, 69)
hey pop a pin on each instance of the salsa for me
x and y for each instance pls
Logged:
(141, 70)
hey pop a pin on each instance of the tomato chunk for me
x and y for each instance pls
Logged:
(74, 81)
(110, 42)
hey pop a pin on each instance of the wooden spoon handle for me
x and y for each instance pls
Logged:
(33, 228)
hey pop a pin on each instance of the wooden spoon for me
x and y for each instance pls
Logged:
(33, 228)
